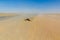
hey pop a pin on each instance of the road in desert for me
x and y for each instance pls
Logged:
(41, 27)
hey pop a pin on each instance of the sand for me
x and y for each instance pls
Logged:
(42, 27)
(46, 27)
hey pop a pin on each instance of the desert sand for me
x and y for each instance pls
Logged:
(42, 27)
(46, 27)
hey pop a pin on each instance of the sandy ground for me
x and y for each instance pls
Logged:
(42, 27)
(46, 27)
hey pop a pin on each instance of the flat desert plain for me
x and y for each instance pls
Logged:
(41, 27)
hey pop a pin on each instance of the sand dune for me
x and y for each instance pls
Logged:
(42, 27)
(46, 28)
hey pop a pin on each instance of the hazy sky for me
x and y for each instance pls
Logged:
(42, 6)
